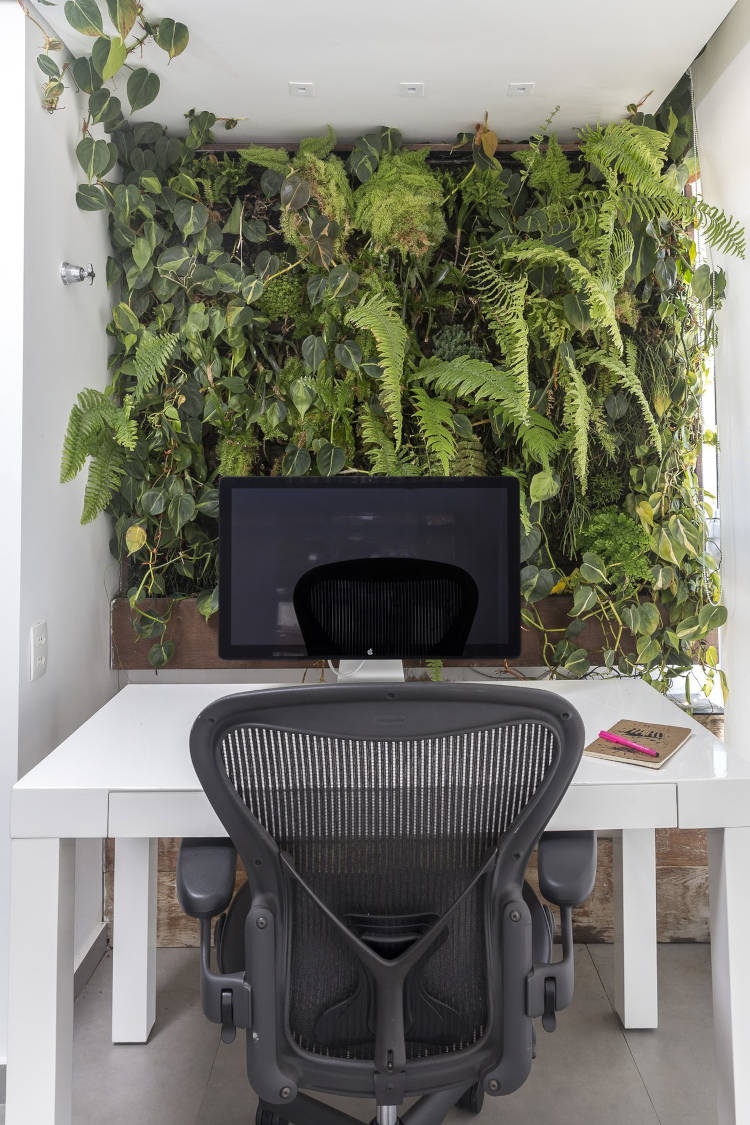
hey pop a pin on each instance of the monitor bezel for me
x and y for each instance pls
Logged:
(296, 653)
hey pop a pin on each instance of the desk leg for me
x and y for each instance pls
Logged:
(728, 866)
(40, 1000)
(134, 940)
(634, 900)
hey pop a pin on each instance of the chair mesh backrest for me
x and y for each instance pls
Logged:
(387, 828)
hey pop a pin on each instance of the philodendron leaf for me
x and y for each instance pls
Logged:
(135, 538)
(584, 599)
(296, 462)
(712, 617)
(95, 157)
(530, 542)
(544, 486)
(84, 16)
(266, 265)
(91, 198)
(207, 602)
(108, 55)
(649, 619)
(577, 662)
(191, 217)
(349, 354)
(125, 319)
(330, 459)
(123, 14)
(160, 654)
(295, 192)
(172, 37)
(317, 287)
(536, 583)
(314, 352)
(49, 67)
(302, 395)
(180, 511)
(252, 289)
(143, 87)
(173, 259)
(342, 281)
(592, 569)
(154, 501)
(85, 75)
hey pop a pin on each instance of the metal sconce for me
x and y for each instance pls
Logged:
(70, 274)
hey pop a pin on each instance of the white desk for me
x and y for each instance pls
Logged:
(126, 773)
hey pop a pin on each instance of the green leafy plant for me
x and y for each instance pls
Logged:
(290, 313)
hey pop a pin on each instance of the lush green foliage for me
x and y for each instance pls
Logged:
(543, 317)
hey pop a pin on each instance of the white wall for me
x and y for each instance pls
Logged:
(53, 344)
(11, 367)
(722, 85)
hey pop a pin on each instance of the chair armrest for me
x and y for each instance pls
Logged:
(567, 866)
(205, 876)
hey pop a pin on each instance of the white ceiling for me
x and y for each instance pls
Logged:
(591, 57)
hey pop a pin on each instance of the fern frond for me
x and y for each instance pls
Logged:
(599, 292)
(435, 423)
(627, 374)
(105, 473)
(576, 419)
(539, 439)
(376, 314)
(548, 169)
(75, 449)
(635, 152)
(93, 415)
(502, 301)
(603, 432)
(469, 460)
(152, 355)
(380, 451)
(474, 379)
(725, 234)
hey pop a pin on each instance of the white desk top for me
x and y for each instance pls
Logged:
(133, 753)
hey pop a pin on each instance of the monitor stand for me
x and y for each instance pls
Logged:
(370, 671)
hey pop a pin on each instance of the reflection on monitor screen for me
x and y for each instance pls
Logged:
(366, 566)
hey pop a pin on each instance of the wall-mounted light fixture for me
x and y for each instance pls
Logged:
(70, 274)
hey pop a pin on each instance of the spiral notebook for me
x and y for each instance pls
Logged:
(666, 740)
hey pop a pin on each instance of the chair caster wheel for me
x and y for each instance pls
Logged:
(268, 1117)
(473, 1099)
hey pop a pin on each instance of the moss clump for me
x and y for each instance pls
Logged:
(332, 194)
(400, 206)
(620, 542)
(283, 297)
(453, 340)
(606, 488)
(626, 309)
(237, 454)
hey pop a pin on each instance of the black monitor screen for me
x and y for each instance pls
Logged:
(287, 544)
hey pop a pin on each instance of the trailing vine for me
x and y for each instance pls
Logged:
(405, 312)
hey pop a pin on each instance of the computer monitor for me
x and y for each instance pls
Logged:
(369, 567)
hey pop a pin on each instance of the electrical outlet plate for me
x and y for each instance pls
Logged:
(411, 89)
(38, 650)
(302, 89)
(520, 89)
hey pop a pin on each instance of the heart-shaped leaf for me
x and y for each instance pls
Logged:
(712, 617)
(141, 253)
(142, 89)
(349, 354)
(104, 108)
(584, 599)
(207, 602)
(90, 198)
(536, 583)
(330, 459)
(296, 462)
(252, 289)
(317, 287)
(191, 217)
(314, 352)
(266, 265)
(362, 163)
(544, 486)
(123, 14)
(270, 182)
(108, 55)
(342, 281)
(172, 37)
(592, 568)
(85, 75)
(530, 540)
(125, 319)
(180, 511)
(295, 192)
(302, 395)
(160, 654)
(154, 501)
(173, 259)
(135, 538)
(95, 157)
(84, 16)
(48, 66)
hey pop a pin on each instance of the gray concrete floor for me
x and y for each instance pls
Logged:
(589, 1072)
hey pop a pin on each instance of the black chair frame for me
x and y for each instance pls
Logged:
(520, 987)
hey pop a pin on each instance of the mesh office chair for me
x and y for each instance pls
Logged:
(386, 945)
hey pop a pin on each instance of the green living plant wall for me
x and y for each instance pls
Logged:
(398, 312)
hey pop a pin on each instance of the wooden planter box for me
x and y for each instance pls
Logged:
(197, 640)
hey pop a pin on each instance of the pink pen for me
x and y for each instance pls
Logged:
(605, 734)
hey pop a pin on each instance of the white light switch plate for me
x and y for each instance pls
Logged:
(411, 89)
(302, 89)
(37, 650)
